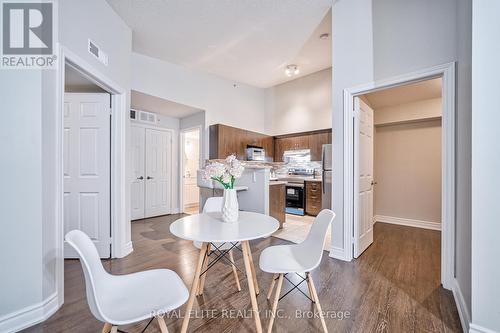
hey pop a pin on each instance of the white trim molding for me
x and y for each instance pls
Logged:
(30, 315)
(447, 73)
(408, 222)
(463, 311)
(338, 253)
(479, 329)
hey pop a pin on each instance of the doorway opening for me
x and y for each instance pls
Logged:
(86, 161)
(398, 145)
(101, 119)
(190, 164)
(419, 148)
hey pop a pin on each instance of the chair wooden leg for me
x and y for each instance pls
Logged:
(163, 326)
(235, 271)
(194, 287)
(273, 282)
(309, 287)
(114, 329)
(106, 328)
(254, 275)
(201, 286)
(316, 299)
(275, 303)
(253, 297)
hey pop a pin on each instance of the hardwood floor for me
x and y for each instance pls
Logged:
(393, 287)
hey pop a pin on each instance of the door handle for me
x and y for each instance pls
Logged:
(374, 183)
(149, 177)
(140, 178)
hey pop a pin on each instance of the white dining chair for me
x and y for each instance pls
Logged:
(214, 205)
(299, 259)
(119, 300)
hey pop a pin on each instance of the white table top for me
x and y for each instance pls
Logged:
(208, 227)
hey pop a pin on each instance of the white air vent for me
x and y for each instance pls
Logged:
(147, 117)
(97, 52)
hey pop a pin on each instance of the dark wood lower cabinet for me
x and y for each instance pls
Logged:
(277, 202)
(313, 197)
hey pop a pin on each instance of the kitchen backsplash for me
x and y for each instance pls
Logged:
(281, 169)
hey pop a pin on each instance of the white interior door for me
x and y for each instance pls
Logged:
(138, 175)
(86, 165)
(158, 172)
(363, 216)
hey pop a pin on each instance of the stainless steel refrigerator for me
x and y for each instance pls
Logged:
(326, 166)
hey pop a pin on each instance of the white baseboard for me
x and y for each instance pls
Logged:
(30, 315)
(463, 311)
(176, 211)
(338, 253)
(408, 222)
(479, 329)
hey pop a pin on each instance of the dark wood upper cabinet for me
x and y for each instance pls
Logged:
(308, 140)
(226, 140)
(317, 141)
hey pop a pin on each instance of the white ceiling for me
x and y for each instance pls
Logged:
(145, 102)
(405, 94)
(249, 41)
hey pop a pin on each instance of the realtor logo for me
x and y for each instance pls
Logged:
(28, 34)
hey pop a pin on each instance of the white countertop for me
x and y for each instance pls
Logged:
(277, 182)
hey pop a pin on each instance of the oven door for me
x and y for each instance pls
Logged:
(295, 199)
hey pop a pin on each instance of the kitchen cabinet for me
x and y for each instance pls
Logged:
(308, 140)
(226, 140)
(313, 197)
(316, 141)
(277, 201)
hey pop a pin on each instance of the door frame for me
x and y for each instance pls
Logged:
(120, 216)
(181, 160)
(172, 160)
(447, 73)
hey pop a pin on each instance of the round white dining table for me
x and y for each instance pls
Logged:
(209, 228)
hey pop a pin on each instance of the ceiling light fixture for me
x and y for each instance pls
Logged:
(324, 36)
(292, 70)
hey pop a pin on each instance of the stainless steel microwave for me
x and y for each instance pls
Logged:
(256, 154)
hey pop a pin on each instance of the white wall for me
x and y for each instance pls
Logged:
(300, 105)
(424, 109)
(407, 160)
(398, 37)
(407, 168)
(485, 166)
(197, 119)
(224, 101)
(20, 194)
(30, 275)
(463, 152)
(352, 65)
